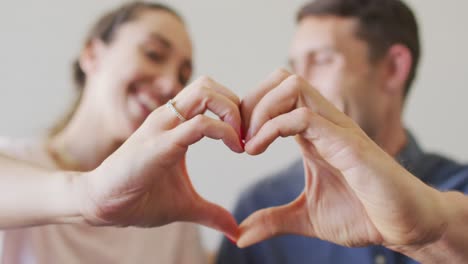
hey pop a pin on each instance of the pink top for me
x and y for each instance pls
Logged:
(176, 243)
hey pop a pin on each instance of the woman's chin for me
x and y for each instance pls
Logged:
(124, 132)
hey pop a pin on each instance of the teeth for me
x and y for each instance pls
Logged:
(147, 101)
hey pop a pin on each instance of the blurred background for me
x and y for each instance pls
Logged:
(238, 43)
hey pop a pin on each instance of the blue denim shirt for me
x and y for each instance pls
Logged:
(434, 170)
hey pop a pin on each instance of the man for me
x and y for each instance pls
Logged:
(362, 56)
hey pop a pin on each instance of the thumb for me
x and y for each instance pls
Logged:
(214, 216)
(270, 222)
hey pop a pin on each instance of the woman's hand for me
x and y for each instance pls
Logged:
(146, 183)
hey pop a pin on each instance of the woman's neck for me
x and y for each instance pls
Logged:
(82, 145)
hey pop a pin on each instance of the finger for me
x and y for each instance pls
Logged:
(289, 124)
(313, 99)
(198, 91)
(279, 100)
(292, 93)
(209, 95)
(331, 142)
(214, 216)
(205, 81)
(201, 126)
(250, 101)
(267, 223)
(195, 103)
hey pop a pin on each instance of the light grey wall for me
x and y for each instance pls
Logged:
(238, 43)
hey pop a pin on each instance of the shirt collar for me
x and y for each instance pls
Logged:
(410, 155)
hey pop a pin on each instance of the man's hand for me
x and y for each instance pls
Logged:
(355, 194)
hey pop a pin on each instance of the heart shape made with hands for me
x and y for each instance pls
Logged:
(283, 105)
(349, 179)
(335, 204)
(153, 185)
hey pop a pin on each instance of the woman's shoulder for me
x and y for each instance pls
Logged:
(25, 149)
(15, 146)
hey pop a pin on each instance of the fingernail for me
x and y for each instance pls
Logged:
(249, 135)
(231, 240)
(242, 143)
(242, 132)
(242, 138)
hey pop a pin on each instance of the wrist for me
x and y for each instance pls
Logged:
(86, 201)
(63, 203)
(448, 245)
(451, 245)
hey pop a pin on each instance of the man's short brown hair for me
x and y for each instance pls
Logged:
(381, 23)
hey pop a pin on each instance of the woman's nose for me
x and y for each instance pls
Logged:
(167, 87)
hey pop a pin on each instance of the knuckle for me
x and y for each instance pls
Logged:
(304, 113)
(199, 123)
(295, 81)
(204, 80)
(269, 222)
(232, 110)
(281, 72)
(200, 120)
(237, 100)
(201, 92)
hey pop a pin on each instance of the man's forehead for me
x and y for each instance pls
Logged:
(328, 24)
(315, 33)
(319, 34)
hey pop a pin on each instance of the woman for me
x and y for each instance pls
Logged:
(135, 59)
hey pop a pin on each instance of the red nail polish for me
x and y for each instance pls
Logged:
(231, 240)
(248, 135)
(242, 143)
(242, 132)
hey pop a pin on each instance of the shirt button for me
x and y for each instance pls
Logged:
(380, 259)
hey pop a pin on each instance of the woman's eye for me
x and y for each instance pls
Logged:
(323, 59)
(185, 73)
(183, 80)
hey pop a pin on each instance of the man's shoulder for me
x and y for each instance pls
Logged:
(442, 172)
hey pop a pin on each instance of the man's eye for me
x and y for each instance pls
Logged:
(155, 56)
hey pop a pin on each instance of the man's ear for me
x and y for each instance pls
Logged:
(90, 56)
(399, 62)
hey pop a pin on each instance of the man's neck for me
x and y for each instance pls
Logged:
(392, 136)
